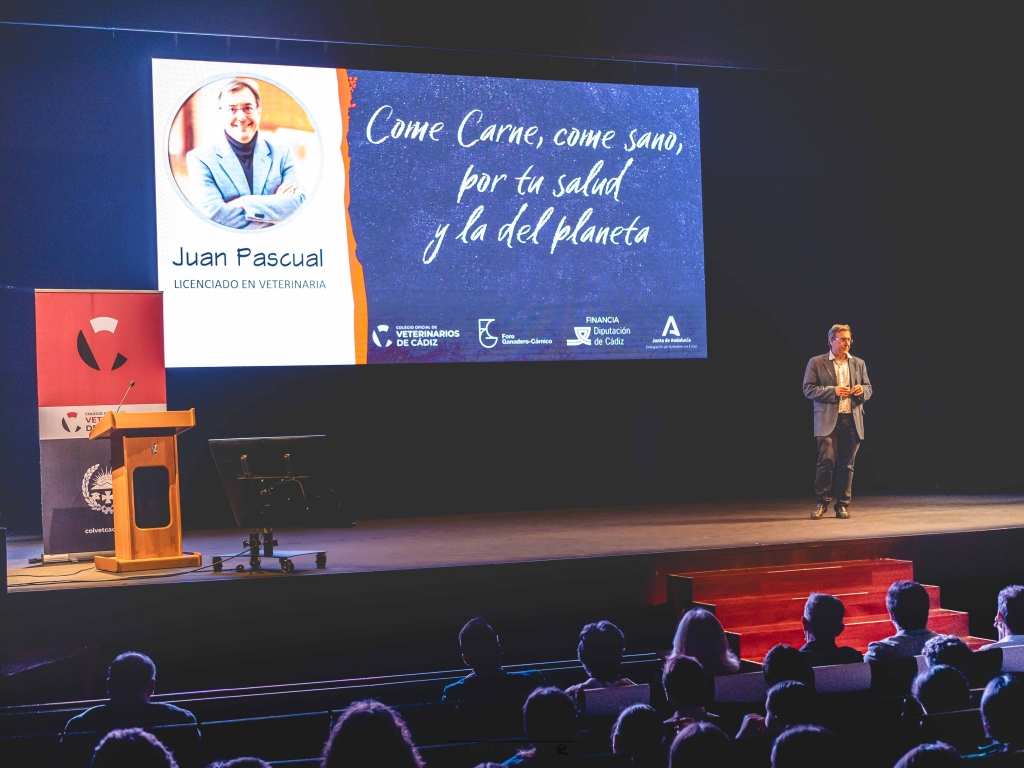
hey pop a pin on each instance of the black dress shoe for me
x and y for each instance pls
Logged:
(819, 510)
(842, 512)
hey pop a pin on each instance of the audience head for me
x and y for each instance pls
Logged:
(479, 643)
(789, 704)
(942, 689)
(823, 616)
(684, 682)
(784, 662)
(370, 733)
(937, 755)
(131, 678)
(701, 635)
(951, 651)
(638, 731)
(698, 745)
(908, 604)
(131, 748)
(1010, 612)
(807, 746)
(549, 718)
(1002, 710)
(241, 762)
(600, 650)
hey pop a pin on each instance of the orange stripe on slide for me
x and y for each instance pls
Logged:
(359, 315)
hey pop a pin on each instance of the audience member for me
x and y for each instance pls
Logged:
(702, 636)
(941, 689)
(788, 704)
(807, 746)
(1002, 713)
(937, 755)
(638, 734)
(784, 662)
(686, 690)
(242, 762)
(600, 652)
(549, 719)
(1009, 621)
(908, 605)
(370, 733)
(131, 748)
(701, 745)
(823, 623)
(481, 652)
(131, 682)
(951, 651)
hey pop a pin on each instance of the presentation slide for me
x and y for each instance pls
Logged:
(310, 216)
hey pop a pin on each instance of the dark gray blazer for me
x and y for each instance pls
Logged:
(820, 386)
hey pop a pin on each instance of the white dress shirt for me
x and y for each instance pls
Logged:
(842, 379)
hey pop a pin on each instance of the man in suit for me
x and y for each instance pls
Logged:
(243, 179)
(838, 384)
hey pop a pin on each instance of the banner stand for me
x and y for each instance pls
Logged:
(94, 349)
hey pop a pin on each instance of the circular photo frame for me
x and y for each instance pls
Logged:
(244, 153)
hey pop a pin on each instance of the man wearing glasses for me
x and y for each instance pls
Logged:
(839, 386)
(243, 179)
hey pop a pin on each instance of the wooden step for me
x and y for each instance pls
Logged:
(839, 576)
(757, 640)
(769, 609)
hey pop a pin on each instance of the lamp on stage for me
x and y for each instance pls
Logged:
(147, 509)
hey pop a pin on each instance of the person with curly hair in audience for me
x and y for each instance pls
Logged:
(1002, 715)
(908, 605)
(823, 623)
(701, 635)
(549, 719)
(951, 651)
(1009, 621)
(131, 748)
(638, 735)
(808, 746)
(701, 745)
(784, 662)
(370, 733)
(600, 652)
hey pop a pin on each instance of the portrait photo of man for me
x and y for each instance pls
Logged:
(243, 177)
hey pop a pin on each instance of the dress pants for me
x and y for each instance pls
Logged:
(836, 455)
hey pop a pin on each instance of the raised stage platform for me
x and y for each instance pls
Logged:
(410, 583)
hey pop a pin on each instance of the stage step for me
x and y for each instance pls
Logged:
(763, 606)
(770, 609)
(839, 576)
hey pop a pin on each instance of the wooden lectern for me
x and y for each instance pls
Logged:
(147, 511)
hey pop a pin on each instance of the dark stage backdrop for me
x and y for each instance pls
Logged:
(864, 196)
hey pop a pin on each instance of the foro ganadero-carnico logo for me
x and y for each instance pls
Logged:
(380, 336)
(98, 489)
(487, 339)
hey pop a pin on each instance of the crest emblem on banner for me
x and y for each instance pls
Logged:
(98, 489)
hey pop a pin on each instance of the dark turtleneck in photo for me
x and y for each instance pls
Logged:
(244, 153)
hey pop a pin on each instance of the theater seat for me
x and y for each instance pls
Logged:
(609, 702)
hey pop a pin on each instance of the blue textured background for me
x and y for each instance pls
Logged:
(402, 190)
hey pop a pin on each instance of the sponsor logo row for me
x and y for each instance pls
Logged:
(599, 331)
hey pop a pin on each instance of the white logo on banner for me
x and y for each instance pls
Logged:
(487, 339)
(670, 327)
(381, 329)
(98, 489)
(582, 337)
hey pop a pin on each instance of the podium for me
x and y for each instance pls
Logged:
(147, 510)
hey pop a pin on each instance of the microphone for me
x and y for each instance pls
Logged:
(130, 385)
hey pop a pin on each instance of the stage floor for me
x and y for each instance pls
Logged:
(521, 537)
